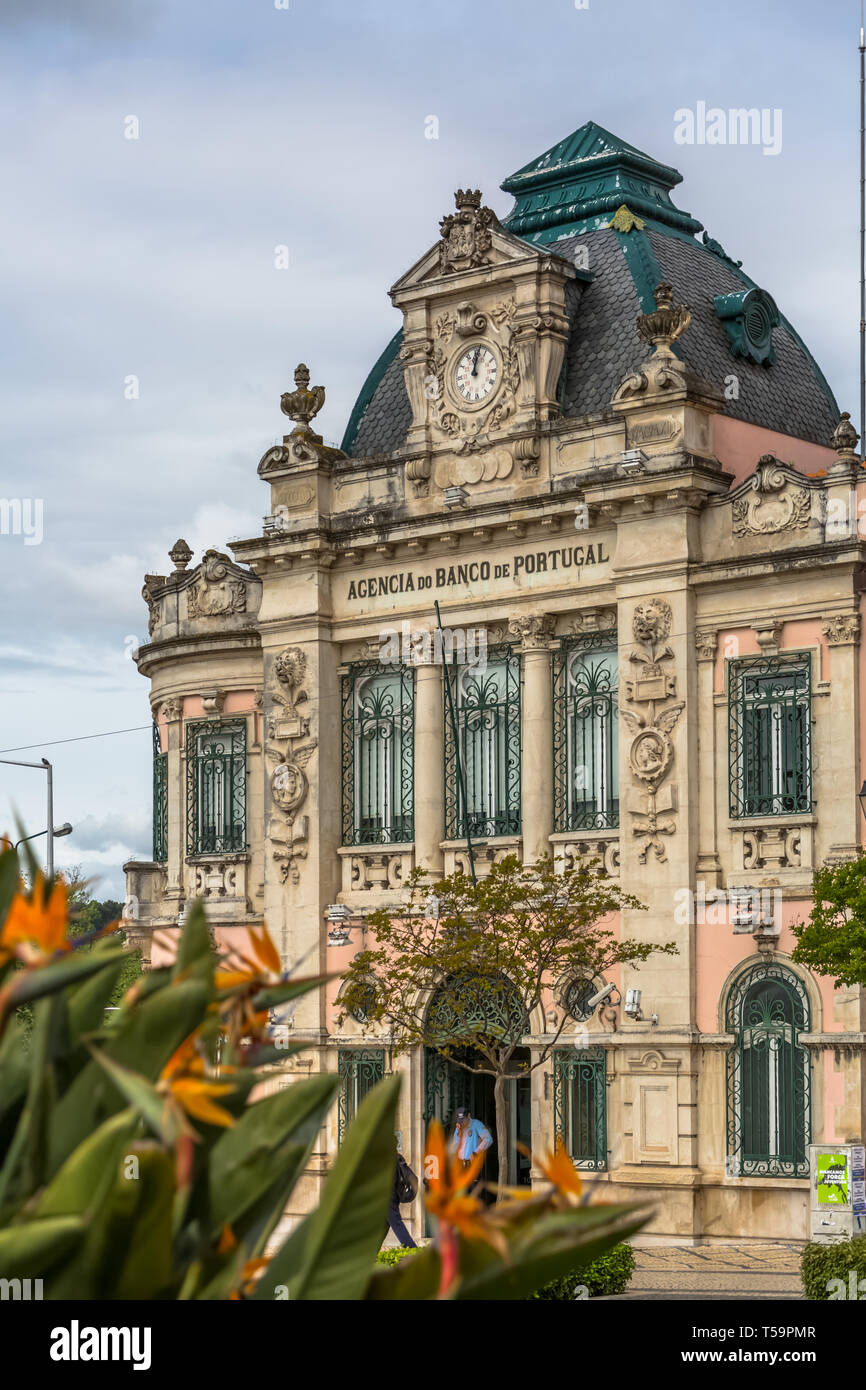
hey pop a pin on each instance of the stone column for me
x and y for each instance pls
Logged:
(429, 767)
(536, 776)
(841, 815)
(708, 866)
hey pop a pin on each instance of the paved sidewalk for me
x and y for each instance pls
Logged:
(716, 1272)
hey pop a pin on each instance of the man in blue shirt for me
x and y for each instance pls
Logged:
(470, 1136)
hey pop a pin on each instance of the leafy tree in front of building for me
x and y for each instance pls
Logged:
(464, 966)
(833, 941)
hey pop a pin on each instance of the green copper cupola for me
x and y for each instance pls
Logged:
(580, 183)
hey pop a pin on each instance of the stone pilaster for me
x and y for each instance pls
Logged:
(708, 866)
(302, 803)
(535, 632)
(841, 814)
(172, 712)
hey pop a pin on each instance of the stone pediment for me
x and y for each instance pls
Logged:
(471, 239)
(775, 498)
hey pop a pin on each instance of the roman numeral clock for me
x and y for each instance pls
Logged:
(475, 375)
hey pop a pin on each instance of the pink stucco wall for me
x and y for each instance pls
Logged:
(736, 642)
(739, 445)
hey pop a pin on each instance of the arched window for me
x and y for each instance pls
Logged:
(769, 1104)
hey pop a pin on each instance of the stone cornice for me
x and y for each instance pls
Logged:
(171, 649)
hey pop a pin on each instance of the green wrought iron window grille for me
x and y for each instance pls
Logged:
(487, 714)
(770, 736)
(768, 1075)
(586, 733)
(378, 754)
(359, 1070)
(216, 772)
(580, 1105)
(160, 799)
(466, 1007)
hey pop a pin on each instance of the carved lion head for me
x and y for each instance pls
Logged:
(652, 621)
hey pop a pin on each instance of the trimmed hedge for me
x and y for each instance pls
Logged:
(394, 1254)
(609, 1274)
(822, 1263)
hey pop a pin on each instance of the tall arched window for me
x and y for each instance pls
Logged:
(769, 1096)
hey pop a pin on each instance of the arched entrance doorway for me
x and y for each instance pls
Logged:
(464, 1008)
(448, 1085)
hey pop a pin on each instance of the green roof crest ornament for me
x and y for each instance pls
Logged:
(624, 220)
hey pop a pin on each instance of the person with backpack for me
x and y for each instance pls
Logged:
(404, 1190)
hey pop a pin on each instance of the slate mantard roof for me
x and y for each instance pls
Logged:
(566, 199)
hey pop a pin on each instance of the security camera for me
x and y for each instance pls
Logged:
(600, 997)
(632, 1003)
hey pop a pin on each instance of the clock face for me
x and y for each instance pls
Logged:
(476, 374)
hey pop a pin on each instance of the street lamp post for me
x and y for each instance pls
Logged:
(57, 832)
(44, 766)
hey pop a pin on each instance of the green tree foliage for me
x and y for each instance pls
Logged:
(833, 941)
(487, 954)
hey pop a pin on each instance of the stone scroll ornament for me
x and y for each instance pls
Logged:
(218, 590)
(289, 749)
(651, 721)
(771, 502)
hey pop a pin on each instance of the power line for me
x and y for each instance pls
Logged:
(82, 738)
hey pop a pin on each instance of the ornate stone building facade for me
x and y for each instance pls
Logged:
(644, 517)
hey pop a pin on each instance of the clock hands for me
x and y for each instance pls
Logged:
(475, 362)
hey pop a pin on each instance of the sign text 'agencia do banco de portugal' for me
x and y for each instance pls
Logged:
(534, 567)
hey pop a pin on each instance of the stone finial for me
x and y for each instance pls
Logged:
(666, 323)
(180, 555)
(305, 402)
(845, 439)
(467, 199)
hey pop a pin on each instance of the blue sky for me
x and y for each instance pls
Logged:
(305, 127)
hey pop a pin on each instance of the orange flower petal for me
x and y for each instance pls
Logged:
(265, 951)
(436, 1158)
(195, 1097)
(559, 1169)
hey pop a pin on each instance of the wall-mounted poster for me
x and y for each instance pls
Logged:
(833, 1179)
